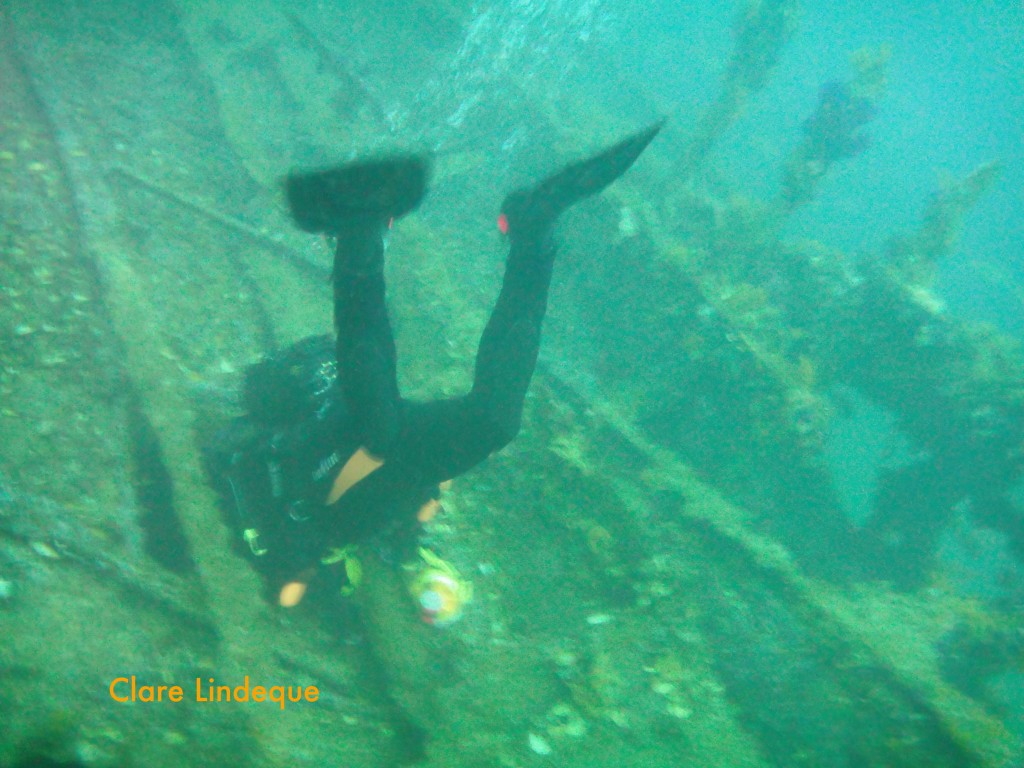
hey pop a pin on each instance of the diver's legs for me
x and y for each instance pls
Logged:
(353, 202)
(510, 343)
(507, 355)
(365, 344)
(508, 349)
(441, 440)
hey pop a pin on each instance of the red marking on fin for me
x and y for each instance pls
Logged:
(503, 224)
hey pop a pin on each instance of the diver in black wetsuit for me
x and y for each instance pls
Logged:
(330, 453)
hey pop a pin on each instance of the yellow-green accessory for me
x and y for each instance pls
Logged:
(252, 538)
(439, 590)
(353, 567)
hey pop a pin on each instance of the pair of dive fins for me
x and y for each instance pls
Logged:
(388, 188)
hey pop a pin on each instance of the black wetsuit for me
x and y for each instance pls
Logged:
(421, 444)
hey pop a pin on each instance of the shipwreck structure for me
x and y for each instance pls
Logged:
(664, 572)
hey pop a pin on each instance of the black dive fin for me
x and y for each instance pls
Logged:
(534, 210)
(322, 201)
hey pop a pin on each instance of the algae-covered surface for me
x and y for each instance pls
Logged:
(765, 507)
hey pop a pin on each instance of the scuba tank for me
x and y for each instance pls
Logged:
(293, 384)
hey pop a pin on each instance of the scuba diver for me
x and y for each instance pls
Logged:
(329, 453)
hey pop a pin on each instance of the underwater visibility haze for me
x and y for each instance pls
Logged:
(760, 505)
